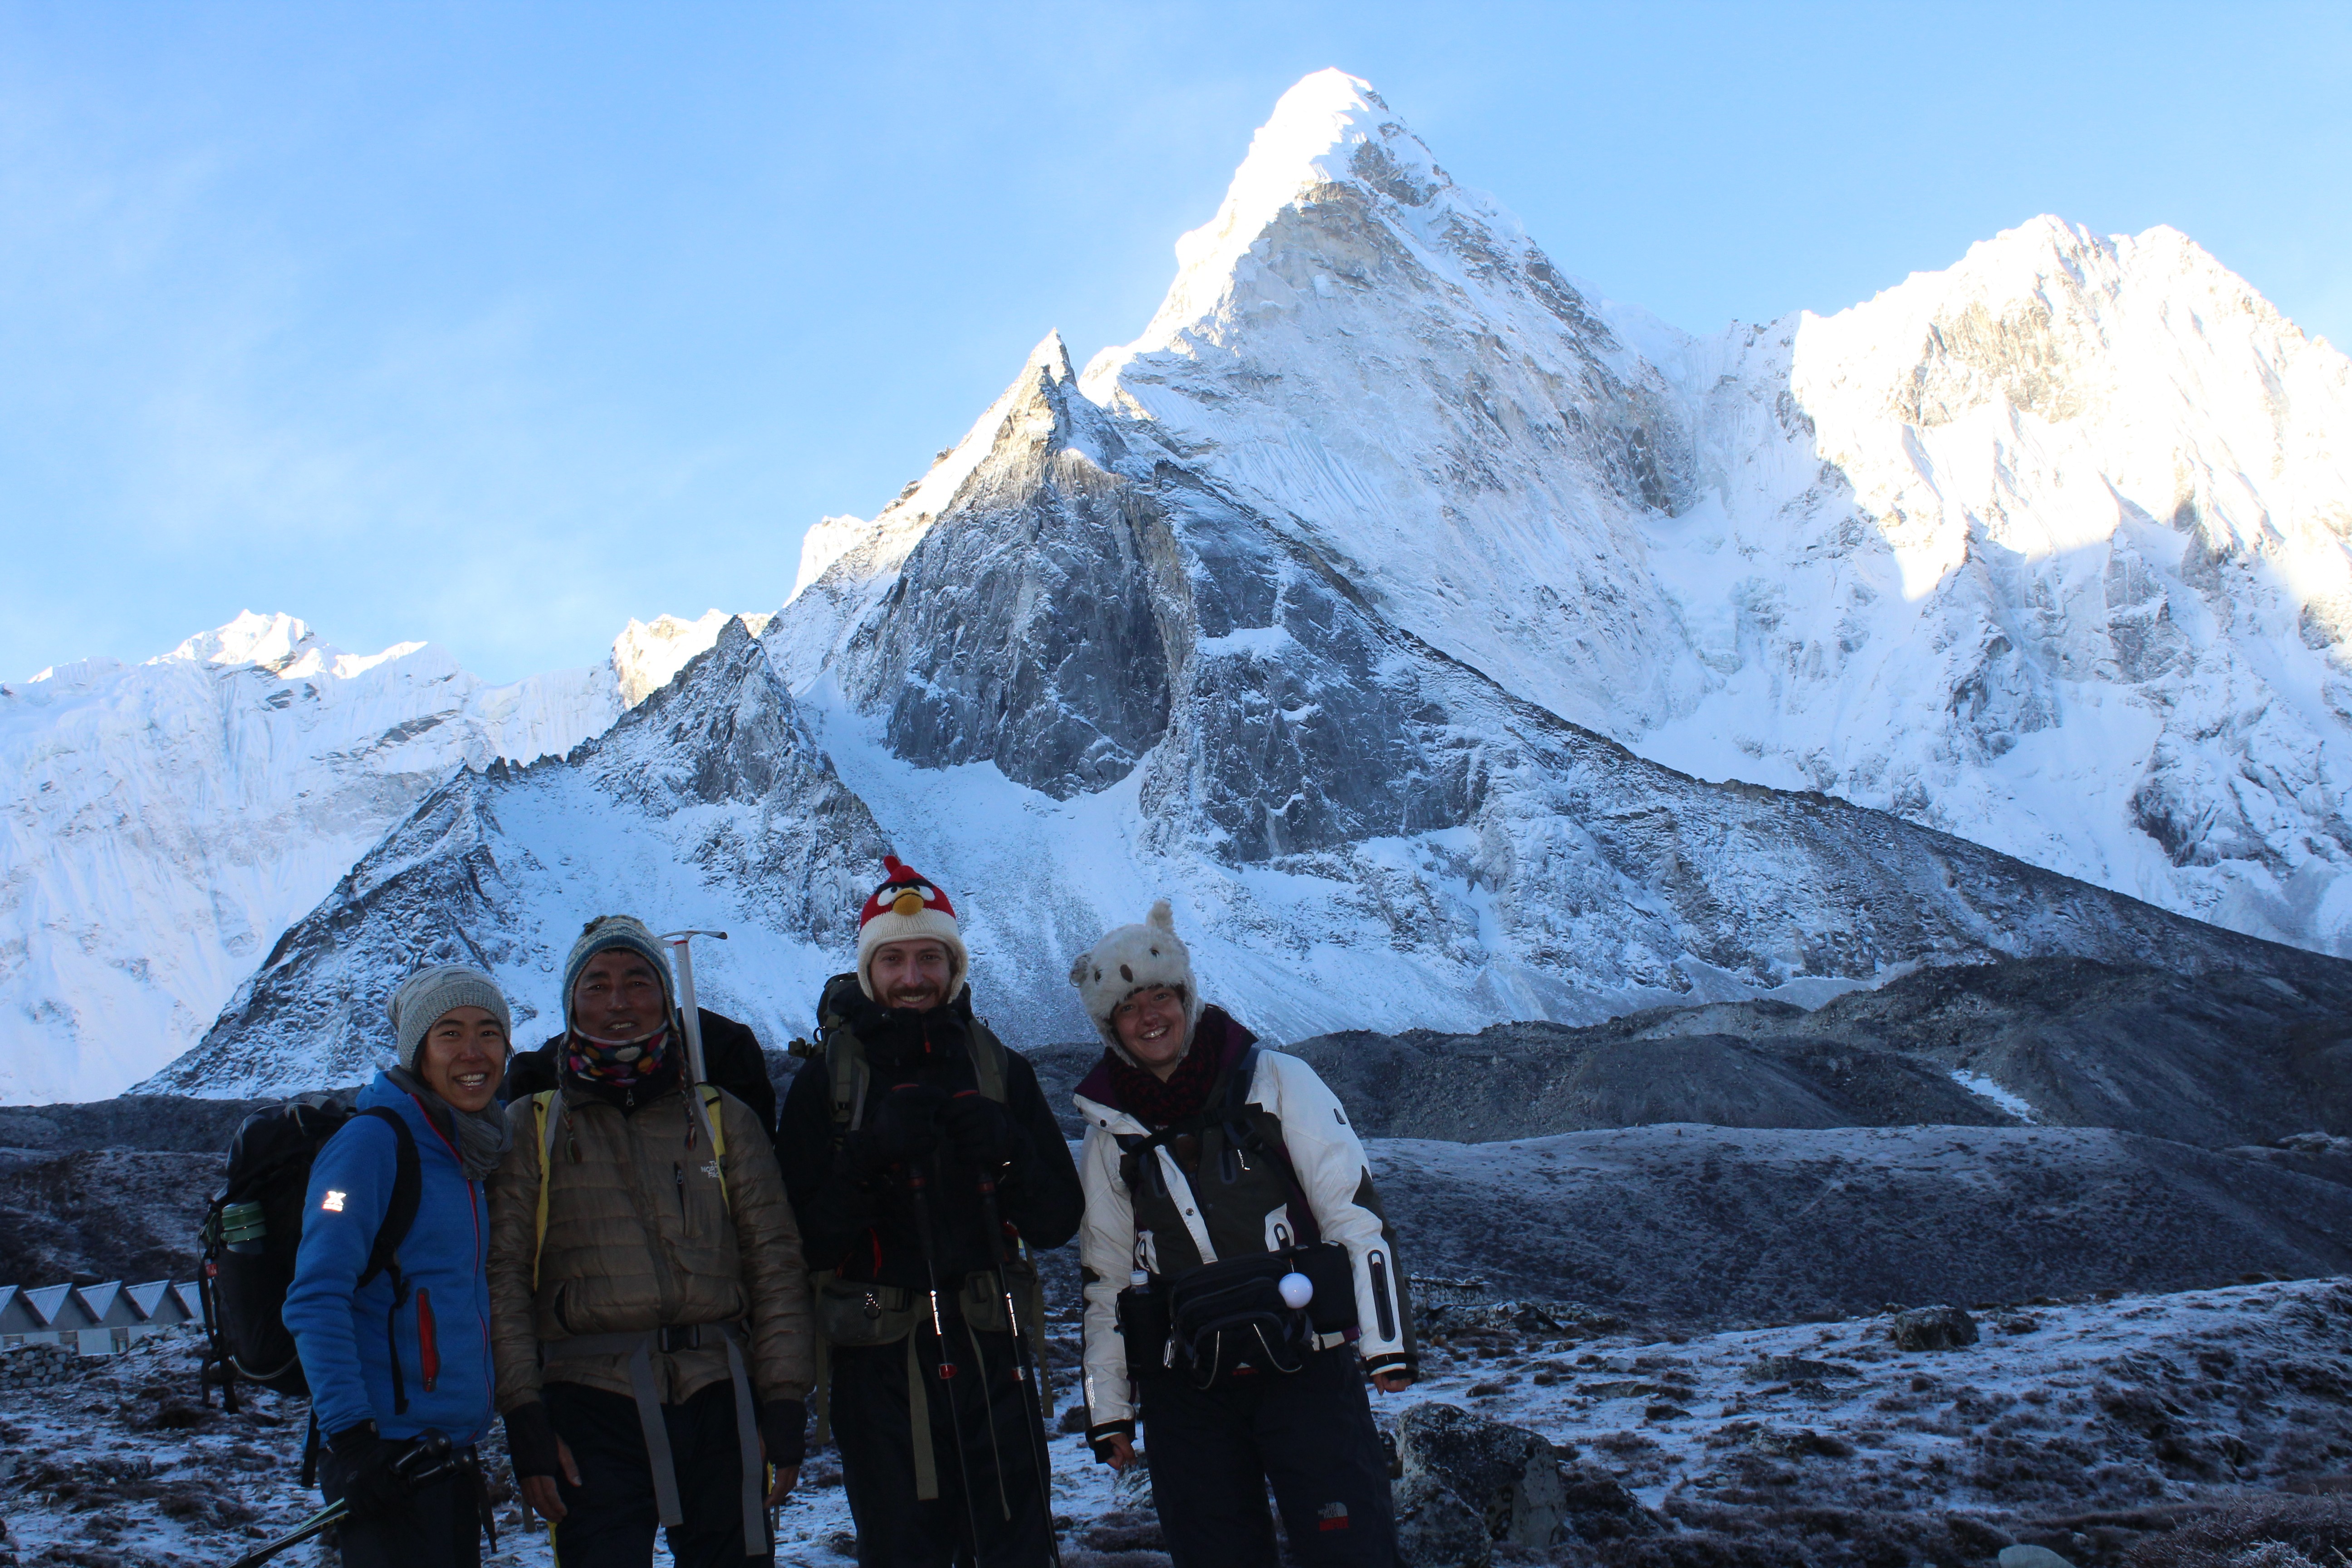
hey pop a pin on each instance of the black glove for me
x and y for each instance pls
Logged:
(531, 1440)
(981, 1131)
(783, 1429)
(905, 1129)
(373, 1487)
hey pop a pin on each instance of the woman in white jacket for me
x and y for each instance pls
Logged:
(1240, 1281)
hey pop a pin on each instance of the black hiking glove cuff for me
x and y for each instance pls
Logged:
(783, 1428)
(1098, 1437)
(372, 1487)
(531, 1440)
(353, 1441)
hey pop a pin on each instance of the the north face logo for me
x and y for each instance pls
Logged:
(1334, 1516)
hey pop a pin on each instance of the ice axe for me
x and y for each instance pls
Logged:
(682, 941)
(428, 1460)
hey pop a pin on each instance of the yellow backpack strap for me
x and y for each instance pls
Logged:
(543, 1125)
(715, 1122)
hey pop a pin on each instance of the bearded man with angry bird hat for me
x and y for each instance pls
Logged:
(925, 1166)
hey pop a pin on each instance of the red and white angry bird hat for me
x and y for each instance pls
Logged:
(908, 908)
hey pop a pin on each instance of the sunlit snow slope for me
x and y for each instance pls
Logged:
(2048, 550)
(166, 821)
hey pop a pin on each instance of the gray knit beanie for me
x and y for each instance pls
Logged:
(424, 997)
(606, 933)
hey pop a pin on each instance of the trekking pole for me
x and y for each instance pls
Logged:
(682, 940)
(1024, 1368)
(917, 1184)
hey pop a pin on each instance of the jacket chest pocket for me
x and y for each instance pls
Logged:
(694, 1197)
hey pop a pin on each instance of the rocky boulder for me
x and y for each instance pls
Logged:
(1465, 1474)
(1932, 1329)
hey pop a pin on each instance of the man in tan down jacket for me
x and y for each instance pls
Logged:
(648, 1307)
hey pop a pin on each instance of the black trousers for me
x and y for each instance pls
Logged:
(610, 1516)
(872, 1427)
(440, 1526)
(1310, 1433)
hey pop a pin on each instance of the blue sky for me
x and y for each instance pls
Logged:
(496, 324)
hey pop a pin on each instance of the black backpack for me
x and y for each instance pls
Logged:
(254, 1227)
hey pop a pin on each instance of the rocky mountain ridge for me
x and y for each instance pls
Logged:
(172, 818)
(708, 803)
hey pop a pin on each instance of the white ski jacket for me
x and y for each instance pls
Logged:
(1330, 1159)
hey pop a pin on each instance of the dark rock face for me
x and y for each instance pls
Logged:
(1027, 635)
(154, 1121)
(1715, 1225)
(1531, 1080)
(97, 1214)
(1300, 731)
(2218, 1059)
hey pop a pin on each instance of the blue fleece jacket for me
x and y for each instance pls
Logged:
(348, 1334)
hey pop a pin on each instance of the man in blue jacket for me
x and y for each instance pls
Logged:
(391, 1356)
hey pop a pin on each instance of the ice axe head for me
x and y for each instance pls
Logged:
(428, 1460)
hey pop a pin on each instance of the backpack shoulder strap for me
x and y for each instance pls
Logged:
(988, 1054)
(1237, 1082)
(845, 1069)
(545, 1114)
(1238, 1087)
(407, 1190)
(714, 1118)
(846, 1074)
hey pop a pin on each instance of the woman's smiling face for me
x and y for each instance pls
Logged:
(1150, 1025)
(464, 1058)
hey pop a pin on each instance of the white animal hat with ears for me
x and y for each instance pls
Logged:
(1135, 958)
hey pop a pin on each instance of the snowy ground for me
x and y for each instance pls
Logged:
(2081, 1425)
(2063, 1421)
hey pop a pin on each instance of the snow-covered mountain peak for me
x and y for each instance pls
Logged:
(1383, 363)
(2051, 548)
(172, 818)
(645, 656)
(845, 562)
(1330, 128)
(708, 804)
(248, 639)
(2114, 382)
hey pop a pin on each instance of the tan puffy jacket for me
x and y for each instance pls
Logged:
(639, 1238)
